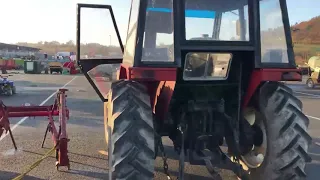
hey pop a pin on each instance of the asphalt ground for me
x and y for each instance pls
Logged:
(85, 131)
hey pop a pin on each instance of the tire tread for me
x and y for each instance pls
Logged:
(289, 131)
(133, 132)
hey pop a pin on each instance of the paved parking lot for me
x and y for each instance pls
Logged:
(311, 107)
(85, 129)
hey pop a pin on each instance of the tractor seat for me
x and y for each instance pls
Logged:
(275, 56)
(156, 54)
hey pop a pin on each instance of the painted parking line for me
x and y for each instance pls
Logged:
(313, 95)
(316, 118)
(43, 102)
(308, 94)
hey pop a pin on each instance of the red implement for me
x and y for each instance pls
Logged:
(59, 137)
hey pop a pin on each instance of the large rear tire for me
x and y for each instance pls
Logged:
(130, 132)
(286, 135)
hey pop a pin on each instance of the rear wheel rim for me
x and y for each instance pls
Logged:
(256, 156)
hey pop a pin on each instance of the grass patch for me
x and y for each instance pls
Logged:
(303, 52)
(312, 49)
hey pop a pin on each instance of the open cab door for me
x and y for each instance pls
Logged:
(99, 55)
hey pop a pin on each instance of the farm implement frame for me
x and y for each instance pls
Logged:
(59, 135)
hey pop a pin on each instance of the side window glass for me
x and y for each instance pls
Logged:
(158, 33)
(98, 40)
(132, 31)
(273, 39)
(217, 23)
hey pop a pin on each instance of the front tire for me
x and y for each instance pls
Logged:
(14, 90)
(130, 132)
(286, 135)
(9, 92)
(310, 83)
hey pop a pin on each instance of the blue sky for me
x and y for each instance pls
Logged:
(48, 20)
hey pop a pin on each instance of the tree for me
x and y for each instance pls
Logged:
(70, 43)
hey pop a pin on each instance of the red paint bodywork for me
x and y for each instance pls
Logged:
(262, 75)
(63, 152)
(161, 83)
(147, 73)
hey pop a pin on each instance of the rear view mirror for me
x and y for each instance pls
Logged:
(241, 25)
(238, 28)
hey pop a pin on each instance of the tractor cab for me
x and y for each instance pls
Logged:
(201, 72)
(198, 36)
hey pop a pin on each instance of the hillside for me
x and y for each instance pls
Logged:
(307, 32)
(306, 39)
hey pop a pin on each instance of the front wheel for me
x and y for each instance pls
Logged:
(9, 91)
(310, 83)
(14, 90)
(130, 132)
(282, 151)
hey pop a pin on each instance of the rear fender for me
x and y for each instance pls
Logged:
(159, 81)
(160, 97)
(260, 76)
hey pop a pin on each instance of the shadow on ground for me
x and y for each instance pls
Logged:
(36, 84)
(73, 153)
(85, 112)
(187, 175)
(5, 175)
(71, 161)
(313, 168)
(90, 174)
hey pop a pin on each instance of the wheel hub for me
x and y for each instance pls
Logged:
(310, 83)
(255, 157)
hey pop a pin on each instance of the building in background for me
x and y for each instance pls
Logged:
(16, 51)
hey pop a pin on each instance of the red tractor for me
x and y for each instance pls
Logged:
(203, 73)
